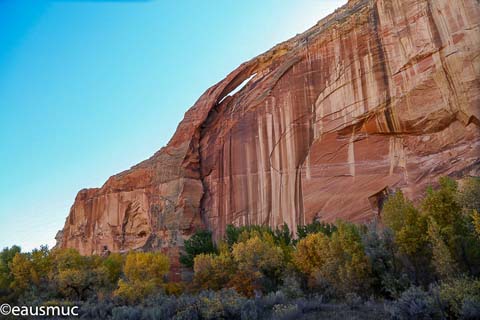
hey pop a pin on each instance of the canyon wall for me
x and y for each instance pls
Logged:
(379, 95)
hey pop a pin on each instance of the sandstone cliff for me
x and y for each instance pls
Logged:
(380, 94)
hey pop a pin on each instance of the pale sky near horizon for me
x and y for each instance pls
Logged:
(89, 88)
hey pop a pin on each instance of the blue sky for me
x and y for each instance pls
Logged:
(90, 88)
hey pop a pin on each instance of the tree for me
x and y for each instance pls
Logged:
(113, 265)
(23, 273)
(42, 263)
(282, 235)
(469, 196)
(213, 271)
(381, 250)
(339, 261)
(400, 215)
(410, 233)
(315, 227)
(353, 268)
(260, 257)
(312, 253)
(254, 262)
(77, 276)
(200, 242)
(6, 257)
(283, 238)
(476, 222)
(443, 261)
(236, 234)
(144, 274)
(76, 283)
(443, 205)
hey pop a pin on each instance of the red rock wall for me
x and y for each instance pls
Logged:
(378, 94)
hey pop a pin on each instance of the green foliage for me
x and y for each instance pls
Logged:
(409, 228)
(232, 233)
(291, 286)
(340, 260)
(23, 273)
(475, 216)
(381, 251)
(200, 242)
(469, 196)
(454, 293)
(442, 207)
(315, 227)
(144, 273)
(353, 269)
(77, 277)
(213, 271)
(29, 271)
(312, 253)
(259, 257)
(442, 259)
(282, 235)
(254, 262)
(453, 237)
(113, 265)
(6, 278)
(414, 304)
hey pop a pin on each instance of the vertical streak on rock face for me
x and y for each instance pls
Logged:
(397, 154)
(381, 63)
(379, 94)
(351, 154)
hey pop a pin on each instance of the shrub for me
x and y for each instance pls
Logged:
(126, 313)
(312, 303)
(353, 300)
(455, 292)
(189, 313)
(470, 309)
(174, 288)
(285, 312)
(94, 309)
(413, 304)
(223, 304)
(291, 286)
(249, 311)
(273, 298)
(200, 242)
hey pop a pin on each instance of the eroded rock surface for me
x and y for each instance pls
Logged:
(380, 94)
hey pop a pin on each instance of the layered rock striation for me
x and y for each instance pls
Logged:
(379, 95)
